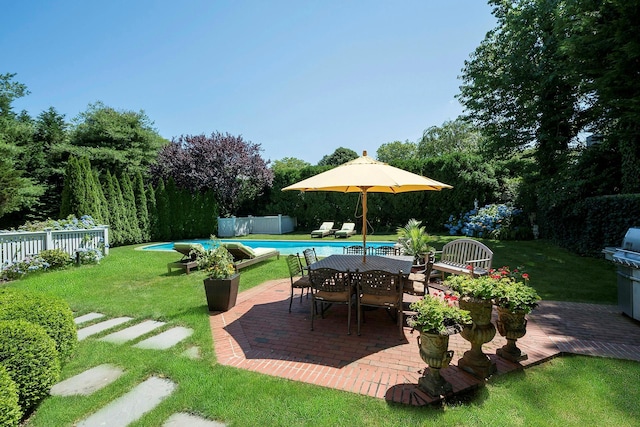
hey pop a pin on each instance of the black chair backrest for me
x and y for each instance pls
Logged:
(354, 250)
(294, 265)
(310, 256)
(379, 282)
(385, 250)
(329, 280)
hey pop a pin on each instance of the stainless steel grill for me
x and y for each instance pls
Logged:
(627, 259)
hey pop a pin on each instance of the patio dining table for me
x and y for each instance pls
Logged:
(351, 263)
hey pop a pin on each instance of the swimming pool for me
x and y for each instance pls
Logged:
(286, 247)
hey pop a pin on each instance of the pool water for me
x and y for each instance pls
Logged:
(286, 247)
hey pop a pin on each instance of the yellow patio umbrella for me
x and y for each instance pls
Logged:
(366, 175)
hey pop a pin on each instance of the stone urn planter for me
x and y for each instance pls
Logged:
(477, 295)
(511, 325)
(481, 331)
(436, 319)
(514, 299)
(222, 293)
(434, 351)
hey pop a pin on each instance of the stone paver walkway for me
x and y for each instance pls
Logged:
(165, 339)
(101, 327)
(131, 406)
(145, 396)
(87, 317)
(132, 332)
(87, 382)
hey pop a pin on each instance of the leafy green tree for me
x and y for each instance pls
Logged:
(453, 136)
(517, 88)
(338, 157)
(395, 151)
(118, 141)
(17, 190)
(10, 91)
(45, 160)
(288, 163)
(604, 45)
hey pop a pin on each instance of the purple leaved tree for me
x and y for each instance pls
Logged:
(226, 164)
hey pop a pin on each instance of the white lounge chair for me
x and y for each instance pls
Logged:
(325, 229)
(348, 229)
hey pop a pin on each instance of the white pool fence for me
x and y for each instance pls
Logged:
(16, 246)
(242, 226)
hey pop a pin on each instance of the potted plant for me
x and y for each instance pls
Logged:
(514, 299)
(476, 296)
(436, 318)
(221, 284)
(414, 240)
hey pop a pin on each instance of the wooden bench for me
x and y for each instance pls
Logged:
(464, 256)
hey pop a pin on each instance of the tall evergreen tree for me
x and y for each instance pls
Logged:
(141, 205)
(175, 212)
(163, 212)
(74, 190)
(102, 200)
(152, 210)
(130, 209)
(116, 214)
(92, 204)
(126, 230)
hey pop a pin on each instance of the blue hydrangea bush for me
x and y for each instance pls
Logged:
(495, 221)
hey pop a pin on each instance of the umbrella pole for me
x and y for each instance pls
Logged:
(364, 226)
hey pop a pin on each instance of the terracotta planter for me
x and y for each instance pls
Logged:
(434, 350)
(481, 331)
(512, 325)
(222, 293)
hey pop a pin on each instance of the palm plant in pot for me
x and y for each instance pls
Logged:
(436, 318)
(221, 284)
(414, 240)
(514, 299)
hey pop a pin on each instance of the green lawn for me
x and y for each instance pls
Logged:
(565, 391)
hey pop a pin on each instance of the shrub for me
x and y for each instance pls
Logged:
(10, 412)
(31, 359)
(493, 221)
(89, 255)
(52, 313)
(13, 271)
(56, 258)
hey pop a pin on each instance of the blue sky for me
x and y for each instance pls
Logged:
(300, 78)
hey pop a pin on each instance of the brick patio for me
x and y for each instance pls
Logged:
(259, 334)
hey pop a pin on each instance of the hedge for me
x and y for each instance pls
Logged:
(10, 413)
(472, 178)
(589, 225)
(31, 359)
(50, 312)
